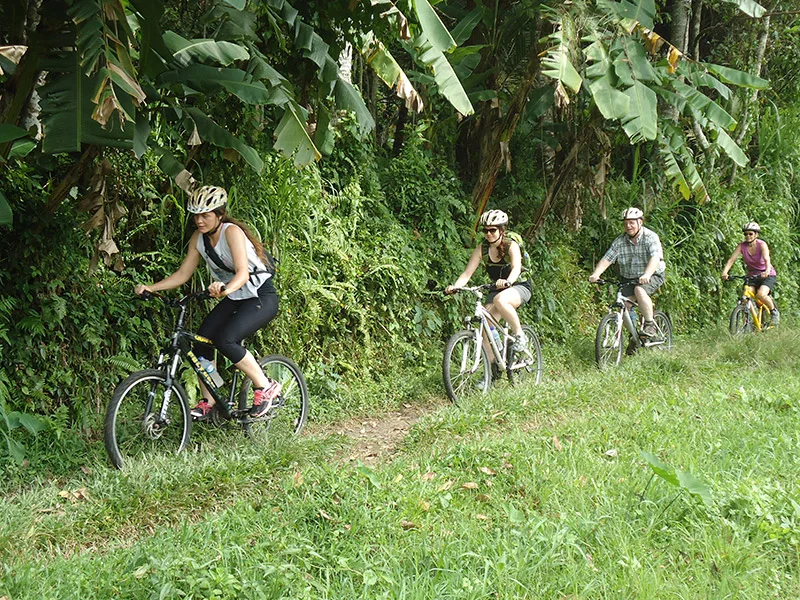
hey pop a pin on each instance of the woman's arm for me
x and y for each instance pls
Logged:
(765, 254)
(179, 277)
(736, 254)
(472, 264)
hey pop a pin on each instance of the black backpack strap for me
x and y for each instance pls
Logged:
(212, 254)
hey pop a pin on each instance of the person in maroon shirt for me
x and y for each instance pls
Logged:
(755, 254)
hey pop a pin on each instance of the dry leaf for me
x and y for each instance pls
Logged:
(487, 471)
(557, 444)
(426, 506)
(325, 515)
(611, 452)
(483, 497)
(446, 485)
(481, 517)
(407, 524)
(470, 485)
(429, 476)
(297, 480)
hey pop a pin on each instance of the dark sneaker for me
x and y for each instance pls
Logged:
(201, 411)
(496, 375)
(649, 329)
(263, 399)
(632, 347)
(776, 317)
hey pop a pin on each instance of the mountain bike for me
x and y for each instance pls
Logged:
(467, 368)
(150, 409)
(750, 313)
(621, 316)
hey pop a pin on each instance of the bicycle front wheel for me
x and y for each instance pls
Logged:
(608, 341)
(145, 415)
(740, 320)
(289, 410)
(528, 366)
(460, 373)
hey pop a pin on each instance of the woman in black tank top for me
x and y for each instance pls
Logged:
(502, 258)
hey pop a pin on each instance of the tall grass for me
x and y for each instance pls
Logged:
(539, 492)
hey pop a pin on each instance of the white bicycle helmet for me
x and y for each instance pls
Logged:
(632, 213)
(751, 226)
(206, 199)
(496, 218)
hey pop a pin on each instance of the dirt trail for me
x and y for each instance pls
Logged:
(376, 438)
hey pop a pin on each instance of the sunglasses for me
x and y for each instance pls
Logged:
(490, 230)
(746, 233)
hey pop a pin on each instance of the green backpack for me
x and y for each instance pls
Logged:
(514, 237)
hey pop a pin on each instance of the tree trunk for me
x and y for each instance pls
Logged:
(694, 31)
(497, 132)
(744, 123)
(400, 129)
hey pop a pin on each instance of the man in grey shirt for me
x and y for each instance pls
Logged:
(641, 260)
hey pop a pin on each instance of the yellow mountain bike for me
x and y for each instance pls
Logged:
(750, 313)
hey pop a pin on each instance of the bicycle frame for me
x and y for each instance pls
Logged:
(171, 357)
(622, 305)
(754, 306)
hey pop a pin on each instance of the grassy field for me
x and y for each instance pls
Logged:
(674, 476)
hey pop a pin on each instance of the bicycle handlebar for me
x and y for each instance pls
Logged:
(618, 282)
(203, 295)
(475, 289)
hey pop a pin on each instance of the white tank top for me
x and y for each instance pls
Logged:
(254, 263)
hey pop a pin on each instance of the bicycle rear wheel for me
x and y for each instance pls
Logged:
(608, 341)
(460, 379)
(134, 423)
(740, 320)
(289, 410)
(528, 366)
(664, 328)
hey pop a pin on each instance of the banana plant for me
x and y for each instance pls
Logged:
(629, 70)
(113, 72)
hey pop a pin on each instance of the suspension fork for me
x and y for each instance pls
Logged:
(170, 372)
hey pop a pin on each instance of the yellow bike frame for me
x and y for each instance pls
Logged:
(754, 305)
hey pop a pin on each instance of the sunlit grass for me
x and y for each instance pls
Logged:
(530, 492)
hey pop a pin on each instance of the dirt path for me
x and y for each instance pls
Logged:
(377, 438)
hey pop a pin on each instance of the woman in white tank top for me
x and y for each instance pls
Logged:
(241, 273)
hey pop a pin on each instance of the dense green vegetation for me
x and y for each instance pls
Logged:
(244, 94)
(529, 493)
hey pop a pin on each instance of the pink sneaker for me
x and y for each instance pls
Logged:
(262, 399)
(201, 411)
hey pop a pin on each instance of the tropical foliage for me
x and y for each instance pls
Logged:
(409, 117)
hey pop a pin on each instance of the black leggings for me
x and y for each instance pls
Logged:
(231, 321)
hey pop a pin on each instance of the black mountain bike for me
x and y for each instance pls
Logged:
(150, 409)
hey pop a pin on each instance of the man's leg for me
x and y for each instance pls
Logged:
(645, 303)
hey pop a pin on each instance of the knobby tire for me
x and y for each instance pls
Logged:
(740, 322)
(130, 433)
(608, 341)
(458, 358)
(533, 365)
(290, 409)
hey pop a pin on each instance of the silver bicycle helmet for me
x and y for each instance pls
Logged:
(496, 218)
(632, 213)
(206, 199)
(751, 226)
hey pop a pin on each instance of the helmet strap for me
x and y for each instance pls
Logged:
(219, 224)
